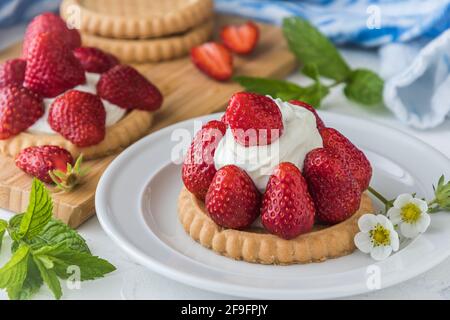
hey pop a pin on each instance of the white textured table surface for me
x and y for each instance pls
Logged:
(132, 281)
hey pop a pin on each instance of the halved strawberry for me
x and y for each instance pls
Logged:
(232, 200)
(242, 38)
(254, 119)
(213, 59)
(287, 207)
(50, 23)
(127, 88)
(356, 160)
(12, 72)
(20, 108)
(198, 166)
(79, 117)
(95, 60)
(320, 124)
(335, 191)
(51, 67)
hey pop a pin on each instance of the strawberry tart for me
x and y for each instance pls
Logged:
(270, 183)
(78, 98)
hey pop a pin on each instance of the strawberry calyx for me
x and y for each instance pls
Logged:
(68, 180)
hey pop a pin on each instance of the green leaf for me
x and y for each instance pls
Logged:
(91, 267)
(314, 94)
(311, 71)
(365, 87)
(14, 272)
(30, 286)
(49, 277)
(312, 48)
(275, 88)
(3, 226)
(39, 212)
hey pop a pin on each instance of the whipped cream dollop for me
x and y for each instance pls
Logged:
(299, 137)
(113, 112)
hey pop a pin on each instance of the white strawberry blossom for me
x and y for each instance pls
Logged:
(410, 214)
(377, 236)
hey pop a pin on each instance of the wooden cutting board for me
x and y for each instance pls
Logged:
(187, 94)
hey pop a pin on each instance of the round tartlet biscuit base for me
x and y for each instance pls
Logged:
(316, 246)
(154, 50)
(132, 127)
(136, 19)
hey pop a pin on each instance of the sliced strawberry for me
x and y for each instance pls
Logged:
(50, 23)
(79, 117)
(254, 119)
(214, 60)
(51, 67)
(241, 39)
(12, 72)
(95, 60)
(198, 167)
(320, 124)
(356, 160)
(20, 108)
(38, 161)
(287, 207)
(127, 88)
(335, 192)
(232, 200)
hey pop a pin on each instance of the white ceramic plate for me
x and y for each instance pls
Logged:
(136, 204)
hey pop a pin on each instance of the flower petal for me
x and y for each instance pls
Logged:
(385, 222)
(402, 200)
(381, 252)
(423, 206)
(395, 215)
(366, 222)
(363, 242)
(395, 240)
(409, 230)
(423, 223)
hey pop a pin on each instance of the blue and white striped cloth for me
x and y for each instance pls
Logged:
(414, 47)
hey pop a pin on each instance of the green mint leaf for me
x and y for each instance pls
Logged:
(91, 267)
(312, 48)
(14, 272)
(3, 226)
(49, 277)
(275, 88)
(365, 87)
(30, 286)
(314, 94)
(39, 212)
(54, 232)
(311, 71)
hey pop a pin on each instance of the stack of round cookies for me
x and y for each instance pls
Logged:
(141, 30)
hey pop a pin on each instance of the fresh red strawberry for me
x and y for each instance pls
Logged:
(287, 208)
(213, 59)
(95, 60)
(79, 117)
(254, 119)
(319, 122)
(51, 67)
(335, 192)
(357, 162)
(241, 39)
(51, 23)
(12, 72)
(232, 199)
(20, 108)
(38, 161)
(127, 88)
(198, 167)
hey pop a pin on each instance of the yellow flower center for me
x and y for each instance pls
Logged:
(380, 236)
(410, 213)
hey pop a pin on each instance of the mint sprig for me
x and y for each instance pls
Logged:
(320, 59)
(43, 249)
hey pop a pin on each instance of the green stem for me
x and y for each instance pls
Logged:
(334, 84)
(378, 195)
